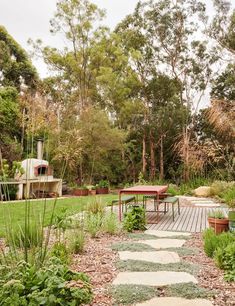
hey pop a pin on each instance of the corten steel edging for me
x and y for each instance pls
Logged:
(140, 191)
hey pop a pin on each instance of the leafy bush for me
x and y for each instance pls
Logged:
(93, 224)
(50, 285)
(225, 259)
(135, 219)
(110, 224)
(213, 241)
(219, 187)
(60, 251)
(103, 184)
(77, 241)
(229, 196)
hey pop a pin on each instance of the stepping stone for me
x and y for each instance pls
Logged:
(175, 301)
(162, 257)
(163, 243)
(163, 234)
(160, 278)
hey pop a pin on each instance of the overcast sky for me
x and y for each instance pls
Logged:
(26, 19)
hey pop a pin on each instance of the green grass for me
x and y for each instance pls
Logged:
(13, 213)
(145, 266)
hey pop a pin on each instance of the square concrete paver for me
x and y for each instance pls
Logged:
(162, 257)
(175, 301)
(166, 234)
(163, 243)
(160, 278)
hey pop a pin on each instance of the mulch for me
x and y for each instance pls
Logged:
(211, 277)
(98, 262)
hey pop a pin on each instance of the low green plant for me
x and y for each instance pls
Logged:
(213, 241)
(103, 184)
(93, 224)
(77, 241)
(217, 214)
(225, 259)
(60, 251)
(219, 187)
(132, 294)
(110, 224)
(135, 219)
(229, 197)
(188, 291)
(53, 284)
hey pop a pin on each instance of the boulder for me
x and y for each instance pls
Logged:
(203, 191)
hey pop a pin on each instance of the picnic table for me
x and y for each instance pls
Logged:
(143, 190)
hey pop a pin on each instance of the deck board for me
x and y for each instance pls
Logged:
(191, 219)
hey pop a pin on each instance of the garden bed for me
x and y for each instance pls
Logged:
(209, 276)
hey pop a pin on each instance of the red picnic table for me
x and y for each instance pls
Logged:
(145, 190)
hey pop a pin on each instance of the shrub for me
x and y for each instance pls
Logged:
(103, 184)
(218, 187)
(53, 284)
(225, 259)
(60, 251)
(77, 241)
(93, 223)
(134, 219)
(213, 241)
(229, 196)
(110, 224)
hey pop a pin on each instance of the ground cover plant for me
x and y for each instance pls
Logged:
(142, 266)
(52, 284)
(222, 249)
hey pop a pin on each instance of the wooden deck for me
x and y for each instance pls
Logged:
(191, 219)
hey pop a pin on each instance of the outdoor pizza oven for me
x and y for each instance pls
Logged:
(38, 177)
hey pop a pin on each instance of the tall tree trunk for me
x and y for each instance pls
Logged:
(186, 136)
(144, 161)
(161, 159)
(152, 157)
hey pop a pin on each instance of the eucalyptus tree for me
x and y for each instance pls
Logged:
(15, 66)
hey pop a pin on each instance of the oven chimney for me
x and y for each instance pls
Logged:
(40, 148)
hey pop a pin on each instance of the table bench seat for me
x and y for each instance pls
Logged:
(124, 201)
(172, 201)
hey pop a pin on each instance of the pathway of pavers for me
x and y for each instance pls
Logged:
(159, 278)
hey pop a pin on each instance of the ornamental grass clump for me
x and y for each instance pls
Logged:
(77, 241)
(110, 224)
(93, 224)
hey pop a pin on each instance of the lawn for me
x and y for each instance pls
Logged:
(14, 212)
